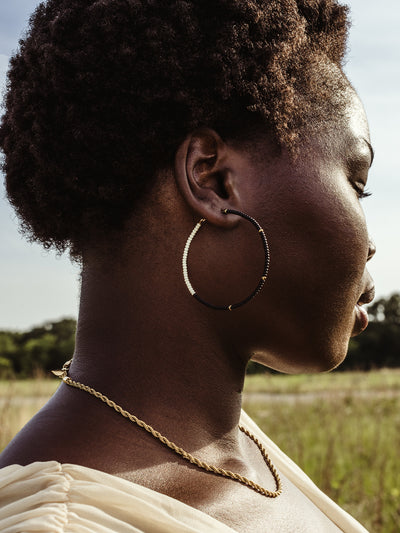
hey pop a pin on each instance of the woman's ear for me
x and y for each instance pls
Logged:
(206, 178)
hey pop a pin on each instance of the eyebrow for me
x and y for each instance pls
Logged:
(371, 150)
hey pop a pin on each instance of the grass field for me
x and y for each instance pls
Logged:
(343, 429)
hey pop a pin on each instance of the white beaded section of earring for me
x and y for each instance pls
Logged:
(185, 256)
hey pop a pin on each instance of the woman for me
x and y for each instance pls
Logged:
(127, 124)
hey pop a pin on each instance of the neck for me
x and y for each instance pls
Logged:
(149, 347)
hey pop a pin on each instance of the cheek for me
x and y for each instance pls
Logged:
(322, 240)
(318, 255)
(345, 234)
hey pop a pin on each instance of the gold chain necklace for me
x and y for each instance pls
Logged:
(63, 374)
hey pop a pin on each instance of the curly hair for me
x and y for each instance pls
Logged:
(101, 93)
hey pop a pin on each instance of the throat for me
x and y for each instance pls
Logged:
(192, 399)
(181, 452)
(169, 369)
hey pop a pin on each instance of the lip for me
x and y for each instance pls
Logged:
(361, 314)
(360, 321)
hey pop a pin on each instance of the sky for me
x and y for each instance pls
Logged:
(37, 286)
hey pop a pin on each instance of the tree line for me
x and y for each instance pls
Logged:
(379, 345)
(47, 347)
(37, 351)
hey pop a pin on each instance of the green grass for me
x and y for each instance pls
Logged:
(380, 380)
(28, 388)
(347, 443)
(19, 401)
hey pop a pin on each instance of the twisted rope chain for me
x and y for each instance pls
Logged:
(63, 374)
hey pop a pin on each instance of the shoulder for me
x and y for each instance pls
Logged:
(61, 498)
(56, 433)
(39, 440)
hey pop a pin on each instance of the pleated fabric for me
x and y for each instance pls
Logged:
(66, 498)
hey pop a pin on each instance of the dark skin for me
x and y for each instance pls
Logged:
(144, 342)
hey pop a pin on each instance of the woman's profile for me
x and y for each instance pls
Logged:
(204, 163)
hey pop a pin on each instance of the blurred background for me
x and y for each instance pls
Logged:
(343, 429)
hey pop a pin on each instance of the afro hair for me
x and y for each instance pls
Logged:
(101, 93)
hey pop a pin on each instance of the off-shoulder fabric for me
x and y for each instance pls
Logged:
(65, 498)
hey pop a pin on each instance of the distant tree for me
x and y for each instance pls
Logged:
(9, 349)
(255, 368)
(8, 345)
(38, 353)
(386, 311)
(42, 348)
(379, 345)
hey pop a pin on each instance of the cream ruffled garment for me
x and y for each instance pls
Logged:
(65, 498)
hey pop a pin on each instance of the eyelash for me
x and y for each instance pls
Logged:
(360, 192)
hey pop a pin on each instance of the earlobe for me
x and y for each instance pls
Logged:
(204, 177)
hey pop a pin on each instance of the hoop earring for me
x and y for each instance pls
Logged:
(260, 283)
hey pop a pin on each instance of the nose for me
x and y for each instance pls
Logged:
(371, 249)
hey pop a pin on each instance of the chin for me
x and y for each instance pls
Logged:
(309, 361)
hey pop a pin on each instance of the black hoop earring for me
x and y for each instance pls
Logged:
(260, 283)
